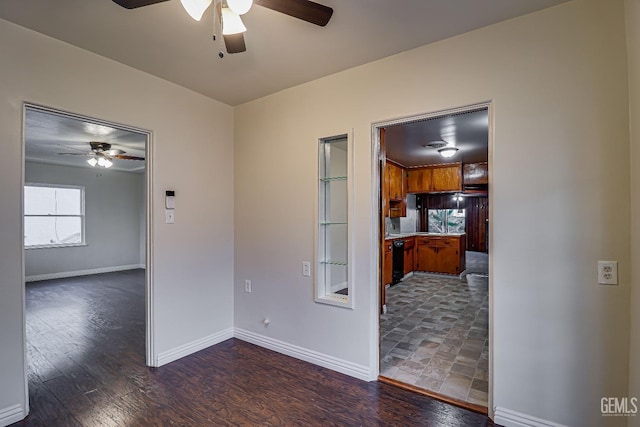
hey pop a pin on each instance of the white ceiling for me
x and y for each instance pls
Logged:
(47, 135)
(469, 132)
(281, 51)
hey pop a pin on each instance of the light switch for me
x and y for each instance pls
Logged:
(306, 268)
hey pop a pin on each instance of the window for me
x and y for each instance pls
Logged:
(53, 216)
(334, 194)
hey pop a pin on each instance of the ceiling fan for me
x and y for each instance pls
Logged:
(229, 11)
(102, 154)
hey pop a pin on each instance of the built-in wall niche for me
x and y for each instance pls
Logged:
(333, 243)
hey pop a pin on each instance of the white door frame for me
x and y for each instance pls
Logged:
(149, 295)
(375, 252)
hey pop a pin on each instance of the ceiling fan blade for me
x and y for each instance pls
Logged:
(132, 4)
(116, 151)
(234, 43)
(122, 157)
(78, 154)
(302, 9)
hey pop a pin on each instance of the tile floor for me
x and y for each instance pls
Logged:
(435, 332)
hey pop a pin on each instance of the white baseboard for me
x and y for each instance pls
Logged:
(509, 418)
(12, 414)
(192, 347)
(345, 367)
(64, 274)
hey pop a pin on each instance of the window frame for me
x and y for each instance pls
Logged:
(81, 216)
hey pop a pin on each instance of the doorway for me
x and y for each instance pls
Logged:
(434, 254)
(87, 236)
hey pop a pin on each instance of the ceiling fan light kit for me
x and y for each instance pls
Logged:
(231, 22)
(102, 154)
(240, 6)
(195, 8)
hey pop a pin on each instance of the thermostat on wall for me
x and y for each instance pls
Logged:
(170, 199)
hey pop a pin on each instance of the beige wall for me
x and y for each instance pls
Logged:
(194, 257)
(113, 204)
(560, 188)
(633, 50)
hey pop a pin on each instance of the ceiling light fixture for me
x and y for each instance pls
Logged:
(240, 6)
(448, 152)
(231, 22)
(195, 8)
(100, 160)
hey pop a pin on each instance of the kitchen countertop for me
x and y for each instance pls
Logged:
(419, 233)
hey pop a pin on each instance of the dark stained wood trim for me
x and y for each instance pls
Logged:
(446, 399)
(393, 162)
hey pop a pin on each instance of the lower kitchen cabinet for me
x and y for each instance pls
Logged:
(387, 258)
(409, 254)
(440, 254)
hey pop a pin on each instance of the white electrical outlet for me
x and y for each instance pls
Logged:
(247, 286)
(306, 268)
(608, 272)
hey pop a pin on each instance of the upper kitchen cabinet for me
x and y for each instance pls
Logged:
(446, 178)
(435, 179)
(396, 182)
(419, 180)
(395, 190)
(476, 174)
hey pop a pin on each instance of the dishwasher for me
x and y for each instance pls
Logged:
(397, 271)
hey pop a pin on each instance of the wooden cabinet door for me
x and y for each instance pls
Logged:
(446, 178)
(386, 188)
(396, 182)
(426, 258)
(387, 268)
(409, 255)
(476, 173)
(448, 260)
(419, 180)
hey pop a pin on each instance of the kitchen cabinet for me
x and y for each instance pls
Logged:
(441, 254)
(387, 262)
(395, 191)
(435, 179)
(396, 182)
(446, 178)
(476, 174)
(419, 180)
(409, 254)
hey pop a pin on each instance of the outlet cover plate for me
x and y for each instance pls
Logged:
(608, 272)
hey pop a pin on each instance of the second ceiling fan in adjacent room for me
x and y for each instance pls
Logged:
(229, 11)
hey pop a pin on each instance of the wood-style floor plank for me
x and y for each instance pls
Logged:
(86, 368)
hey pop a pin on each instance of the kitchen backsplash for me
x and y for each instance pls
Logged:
(406, 224)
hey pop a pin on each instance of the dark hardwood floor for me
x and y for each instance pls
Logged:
(86, 368)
